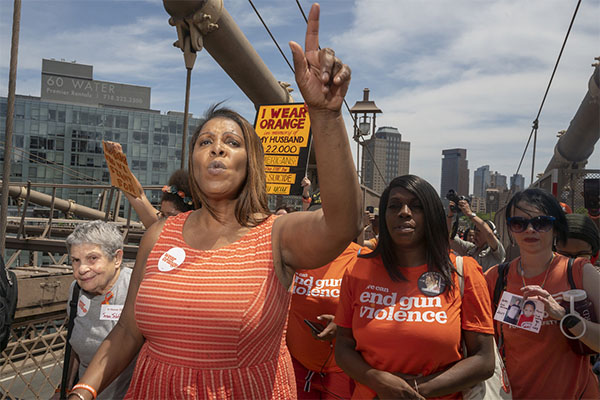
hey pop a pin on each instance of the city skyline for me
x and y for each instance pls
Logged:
(474, 79)
(389, 152)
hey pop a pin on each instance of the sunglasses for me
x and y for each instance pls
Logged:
(542, 223)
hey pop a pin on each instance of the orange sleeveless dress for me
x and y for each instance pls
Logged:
(214, 321)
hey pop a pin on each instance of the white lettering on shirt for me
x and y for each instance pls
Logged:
(400, 309)
(305, 285)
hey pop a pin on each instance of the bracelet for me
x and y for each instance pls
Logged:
(416, 386)
(88, 388)
(78, 395)
(306, 200)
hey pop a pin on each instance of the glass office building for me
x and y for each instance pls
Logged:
(57, 137)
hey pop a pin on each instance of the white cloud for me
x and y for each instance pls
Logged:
(463, 73)
(470, 74)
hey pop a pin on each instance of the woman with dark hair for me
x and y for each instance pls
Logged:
(176, 195)
(210, 291)
(402, 317)
(543, 365)
(583, 238)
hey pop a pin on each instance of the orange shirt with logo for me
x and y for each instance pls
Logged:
(317, 292)
(542, 365)
(397, 328)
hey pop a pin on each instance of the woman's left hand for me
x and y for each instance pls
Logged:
(328, 333)
(551, 306)
(321, 77)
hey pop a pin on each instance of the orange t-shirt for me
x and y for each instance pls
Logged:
(542, 365)
(397, 328)
(316, 292)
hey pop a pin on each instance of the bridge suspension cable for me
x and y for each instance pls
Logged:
(536, 120)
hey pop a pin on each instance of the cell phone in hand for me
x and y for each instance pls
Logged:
(314, 326)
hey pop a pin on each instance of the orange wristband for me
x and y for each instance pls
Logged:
(88, 388)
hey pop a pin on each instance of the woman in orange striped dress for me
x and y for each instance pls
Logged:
(209, 295)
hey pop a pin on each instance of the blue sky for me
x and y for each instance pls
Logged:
(462, 73)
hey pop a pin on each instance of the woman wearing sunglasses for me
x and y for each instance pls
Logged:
(543, 365)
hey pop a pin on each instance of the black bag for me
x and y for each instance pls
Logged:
(8, 302)
(67, 358)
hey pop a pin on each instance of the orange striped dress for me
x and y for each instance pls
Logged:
(214, 321)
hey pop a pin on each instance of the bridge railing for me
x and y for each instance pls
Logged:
(31, 365)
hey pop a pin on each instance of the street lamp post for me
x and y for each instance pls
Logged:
(363, 114)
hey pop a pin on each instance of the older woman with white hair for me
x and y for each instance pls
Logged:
(96, 251)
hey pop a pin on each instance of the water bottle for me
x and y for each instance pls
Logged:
(576, 303)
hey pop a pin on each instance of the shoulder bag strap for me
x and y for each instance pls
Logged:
(570, 273)
(72, 315)
(461, 276)
(498, 289)
(500, 283)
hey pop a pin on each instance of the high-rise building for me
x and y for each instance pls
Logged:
(455, 172)
(481, 181)
(492, 200)
(478, 204)
(384, 154)
(57, 137)
(498, 181)
(517, 183)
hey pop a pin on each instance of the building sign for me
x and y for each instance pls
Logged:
(285, 134)
(120, 174)
(61, 82)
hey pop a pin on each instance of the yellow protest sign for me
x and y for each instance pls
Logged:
(278, 189)
(120, 174)
(284, 130)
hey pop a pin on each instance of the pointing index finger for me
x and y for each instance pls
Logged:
(311, 42)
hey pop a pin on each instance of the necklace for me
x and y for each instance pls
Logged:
(545, 277)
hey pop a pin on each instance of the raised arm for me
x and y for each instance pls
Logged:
(480, 224)
(312, 239)
(142, 206)
(125, 340)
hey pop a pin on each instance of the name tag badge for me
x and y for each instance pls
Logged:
(110, 312)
